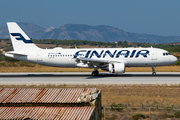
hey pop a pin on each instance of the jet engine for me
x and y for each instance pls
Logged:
(116, 67)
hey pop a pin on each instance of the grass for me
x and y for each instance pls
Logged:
(148, 96)
(158, 69)
(39, 68)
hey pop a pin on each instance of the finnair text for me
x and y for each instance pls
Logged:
(113, 54)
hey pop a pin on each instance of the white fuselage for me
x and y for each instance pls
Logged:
(132, 57)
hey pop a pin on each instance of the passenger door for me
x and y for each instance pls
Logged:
(153, 55)
(39, 56)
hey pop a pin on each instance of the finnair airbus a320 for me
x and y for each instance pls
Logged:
(114, 60)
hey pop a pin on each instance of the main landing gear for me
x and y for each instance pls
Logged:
(153, 71)
(95, 72)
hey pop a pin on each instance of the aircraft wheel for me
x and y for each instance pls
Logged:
(95, 73)
(154, 73)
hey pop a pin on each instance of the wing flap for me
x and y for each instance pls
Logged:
(93, 60)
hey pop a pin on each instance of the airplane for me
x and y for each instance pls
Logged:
(114, 60)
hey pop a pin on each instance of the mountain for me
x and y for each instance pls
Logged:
(102, 33)
(32, 30)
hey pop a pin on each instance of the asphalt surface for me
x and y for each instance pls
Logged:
(86, 78)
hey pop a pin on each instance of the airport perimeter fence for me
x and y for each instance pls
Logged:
(150, 108)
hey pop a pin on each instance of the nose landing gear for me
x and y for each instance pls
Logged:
(153, 71)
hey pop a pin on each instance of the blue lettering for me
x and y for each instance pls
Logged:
(97, 55)
(125, 54)
(109, 53)
(77, 53)
(143, 54)
(132, 54)
(87, 54)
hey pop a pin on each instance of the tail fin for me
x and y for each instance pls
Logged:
(19, 39)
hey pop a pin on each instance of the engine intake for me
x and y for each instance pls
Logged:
(116, 67)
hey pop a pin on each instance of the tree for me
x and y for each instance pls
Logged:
(119, 43)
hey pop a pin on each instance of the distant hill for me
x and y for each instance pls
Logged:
(102, 33)
(32, 30)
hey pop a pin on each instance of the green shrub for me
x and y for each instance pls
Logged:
(10, 59)
(113, 105)
(137, 116)
(177, 63)
(170, 116)
(102, 115)
(134, 109)
(177, 114)
(168, 108)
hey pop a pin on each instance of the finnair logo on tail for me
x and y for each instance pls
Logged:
(18, 36)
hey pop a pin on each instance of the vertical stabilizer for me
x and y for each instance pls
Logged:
(19, 39)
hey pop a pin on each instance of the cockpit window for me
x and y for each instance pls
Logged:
(164, 54)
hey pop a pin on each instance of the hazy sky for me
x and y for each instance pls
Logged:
(158, 17)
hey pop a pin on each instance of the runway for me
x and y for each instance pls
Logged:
(73, 78)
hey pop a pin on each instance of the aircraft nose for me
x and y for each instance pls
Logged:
(174, 59)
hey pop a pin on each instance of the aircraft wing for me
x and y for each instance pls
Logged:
(92, 60)
(98, 62)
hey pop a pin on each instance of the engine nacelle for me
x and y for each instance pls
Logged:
(116, 67)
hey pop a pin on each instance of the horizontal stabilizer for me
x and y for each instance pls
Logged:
(16, 53)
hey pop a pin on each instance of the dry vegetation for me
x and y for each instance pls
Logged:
(39, 68)
(44, 46)
(134, 96)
